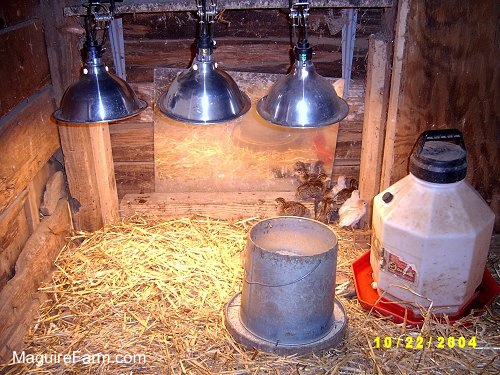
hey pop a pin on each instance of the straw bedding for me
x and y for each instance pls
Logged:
(155, 289)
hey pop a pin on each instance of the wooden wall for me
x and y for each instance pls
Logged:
(29, 141)
(446, 75)
(248, 41)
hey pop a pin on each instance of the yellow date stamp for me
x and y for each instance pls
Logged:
(421, 342)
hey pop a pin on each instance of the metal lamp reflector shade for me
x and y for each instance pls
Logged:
(98, 96)
(204, 94)
(302, 99)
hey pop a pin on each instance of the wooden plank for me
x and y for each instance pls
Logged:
(134, 177)
(260, 56)
(448, 78)
(145, 91)
(14, 232)
(34, 265)
(394, 94)
(90, 174)
(104, 172)
(24, 68)
(377, 92)
(32, 207)
(14, 12)
(36, 189)
(225, 206)
(28, 139)
(132, 141)
(63, 49)
(254, 26)
(146, 6)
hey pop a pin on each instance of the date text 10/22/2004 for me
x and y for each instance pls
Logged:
(421, 342)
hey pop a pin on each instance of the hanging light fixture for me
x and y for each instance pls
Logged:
(204, 94)
(303, 98)
(98, 96)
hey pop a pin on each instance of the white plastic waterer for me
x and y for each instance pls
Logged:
(431, 230)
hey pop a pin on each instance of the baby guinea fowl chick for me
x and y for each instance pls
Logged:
(290, 208)
(352, 210)
(344, 194)
(352, 213)
(341, 184)
(328, 211)
(313, 187)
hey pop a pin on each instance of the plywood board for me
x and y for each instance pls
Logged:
(245, 154)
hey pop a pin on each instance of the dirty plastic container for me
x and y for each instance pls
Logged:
(431, 230)
(287, 304)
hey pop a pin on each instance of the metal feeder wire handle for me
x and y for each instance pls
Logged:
(285, 284)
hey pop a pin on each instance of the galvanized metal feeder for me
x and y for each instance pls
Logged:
(287, 304)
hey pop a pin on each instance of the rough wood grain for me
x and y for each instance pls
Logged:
(28, 139)
(25, 68)
(132, 141)
(15, 12)
(251, 24)
(400, 45)
(226, 206)
(14, 232)
(55, 189)
(447, 76)
(259, 56)
(32, 207)
(90, 174)
(134, 177)
(34, 265)
(377, 92)
(36, 189)
(62, 46)
(140, 6)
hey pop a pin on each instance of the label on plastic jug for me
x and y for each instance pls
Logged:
(399, 267)
(394, 264)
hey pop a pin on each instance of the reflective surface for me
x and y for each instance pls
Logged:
(204, 95)
(302, 99)
(98, 96)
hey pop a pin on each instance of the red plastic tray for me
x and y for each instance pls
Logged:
(369, 299)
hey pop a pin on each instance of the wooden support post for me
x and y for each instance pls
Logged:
(376, 98)
(400, 41)
(91, 177)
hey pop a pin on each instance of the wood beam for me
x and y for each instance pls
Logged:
(400, 41)
(376, 95)
(91, 177)
(145, 6)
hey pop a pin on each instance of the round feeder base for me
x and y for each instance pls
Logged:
(243, 336)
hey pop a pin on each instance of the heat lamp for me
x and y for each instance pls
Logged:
(98, 96)
(303, 98)
(204, 94)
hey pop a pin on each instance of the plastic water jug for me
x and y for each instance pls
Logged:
(431, 230)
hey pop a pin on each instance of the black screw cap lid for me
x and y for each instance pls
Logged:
(439, 156)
